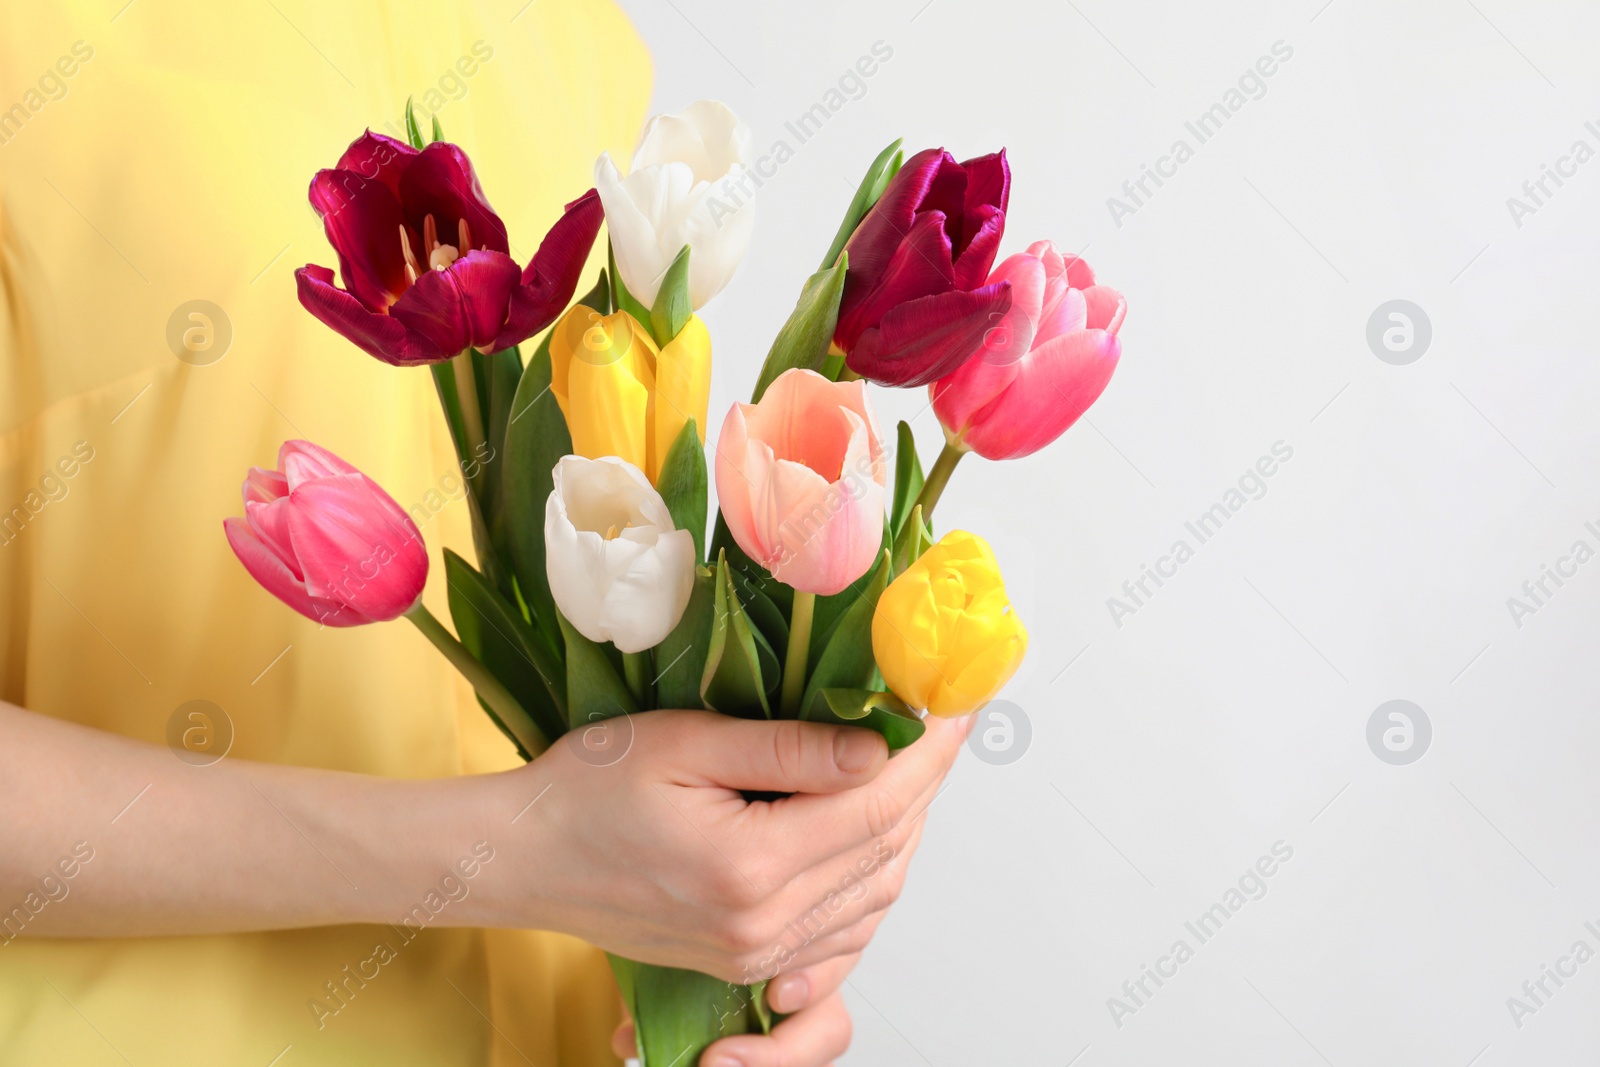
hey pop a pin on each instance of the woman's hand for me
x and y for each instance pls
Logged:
(653, 852)
(816, 1033)
(817, 1029)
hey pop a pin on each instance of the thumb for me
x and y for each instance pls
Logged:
(779, 757)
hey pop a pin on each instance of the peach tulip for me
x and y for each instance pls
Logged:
(800, 477)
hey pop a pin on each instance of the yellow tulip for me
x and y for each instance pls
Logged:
(620, 395)
(944, 634)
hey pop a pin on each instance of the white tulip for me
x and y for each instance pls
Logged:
(619, 570)
(683, 189)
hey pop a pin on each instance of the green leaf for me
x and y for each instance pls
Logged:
(413, 131)
(678, 1014)
(830, 609)
(804, 339)
(847, 663)
(671, 309)
(767, 659)
(747, 571)
(681, 656)
(913, 541)
(438, 130)
(683, 485)
(732, 682)
(907, 477)
(535, 438)
(620, 296)
(598, 298)
(769, 622)
(883, 168)
(444, 381)
(494, 632)
(595, 690)
(500, 375)
(883, 713)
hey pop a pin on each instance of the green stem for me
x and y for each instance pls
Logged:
(636, 669)
(933, 485)
(794, 664)
(471, 413)
(501, 703)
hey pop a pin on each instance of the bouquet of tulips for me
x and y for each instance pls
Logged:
(601, 589)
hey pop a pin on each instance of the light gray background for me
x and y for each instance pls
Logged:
(1230, 712)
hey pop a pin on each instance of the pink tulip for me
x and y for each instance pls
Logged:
(1041, 365)
(800, 478)
(323, 538)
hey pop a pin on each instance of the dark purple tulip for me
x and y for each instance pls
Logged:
(426, 266)
(915, 303)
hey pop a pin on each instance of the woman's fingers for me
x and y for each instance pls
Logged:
(813, 1038)
(789, 993)
(808, 943)
(813, 827)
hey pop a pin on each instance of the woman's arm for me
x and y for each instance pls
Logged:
(165, 847)
(655, 856)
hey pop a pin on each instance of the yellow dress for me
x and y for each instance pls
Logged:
(158, 153)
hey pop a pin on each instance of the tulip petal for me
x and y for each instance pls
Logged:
(1079, 274)
(645, 601)
(270, 523)
(551, 276)
(354, 550)
(1012, 336)
(377, 157)
(924, 340)
(877, 237)
(1056, 384)
(301, 460)
(632, 228)
(736, 488)
(985, 675)
(683, 390)
(441, 182)
(830, 533)
(1066, 310)
(362, 221)
(275, 577)
(374, 333)
(264, 486)
(631, 585)
(608, 400)
(919, 267)
(1106, 308)
(801, 420)
(707, 135)
(461, 306)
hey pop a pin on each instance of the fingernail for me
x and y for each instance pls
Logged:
(854, 750)
(790, 994)
(726, 1061)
